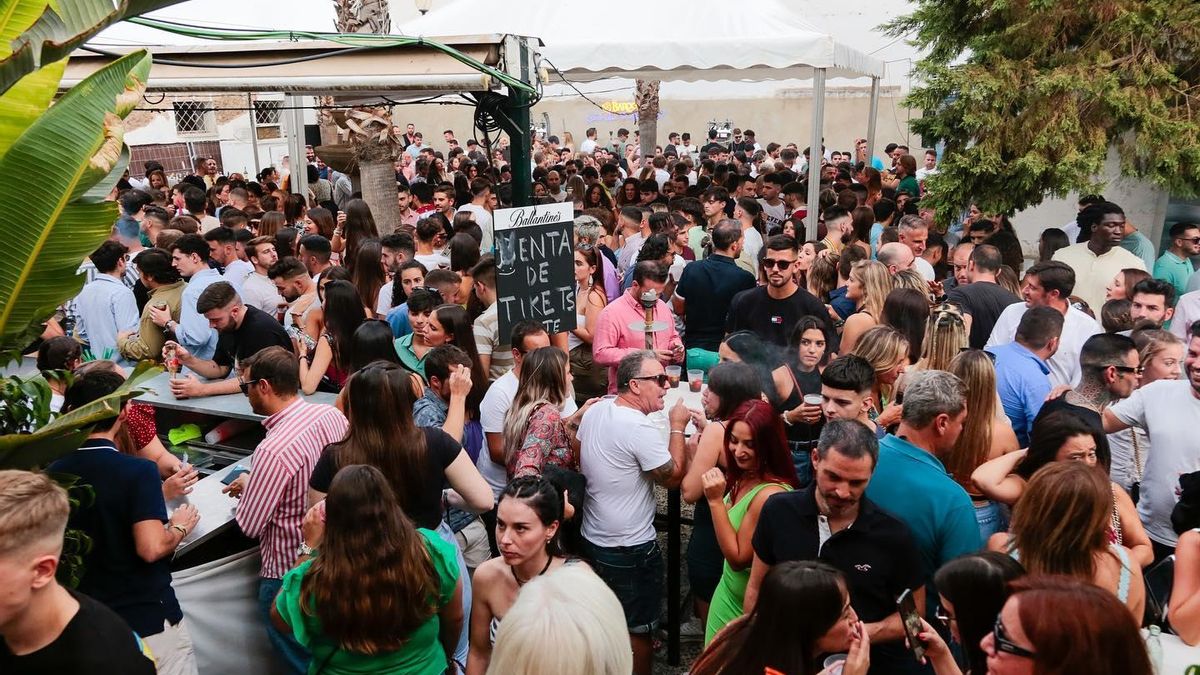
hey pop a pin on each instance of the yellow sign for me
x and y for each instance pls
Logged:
(619, 107)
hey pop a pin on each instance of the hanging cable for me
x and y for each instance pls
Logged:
(571, 84)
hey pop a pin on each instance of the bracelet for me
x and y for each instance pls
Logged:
(176, 526)
(677, 431)
(783, 416)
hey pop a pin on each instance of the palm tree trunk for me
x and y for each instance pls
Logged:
(646, 98)
(379, 192)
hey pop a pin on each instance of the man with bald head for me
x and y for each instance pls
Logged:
(960, 256)
(898, 257)
(554, 186)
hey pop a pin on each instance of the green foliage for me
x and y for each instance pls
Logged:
(1030, 96)
(76, 543)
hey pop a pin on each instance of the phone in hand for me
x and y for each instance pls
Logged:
(911, 619)
(233, 475)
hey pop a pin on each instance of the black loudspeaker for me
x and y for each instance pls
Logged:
(312, 135)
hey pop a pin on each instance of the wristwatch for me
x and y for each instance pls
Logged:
(305, 549)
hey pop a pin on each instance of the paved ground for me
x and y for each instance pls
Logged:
(688, 650)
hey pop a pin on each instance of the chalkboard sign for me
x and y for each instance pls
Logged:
(535, 266)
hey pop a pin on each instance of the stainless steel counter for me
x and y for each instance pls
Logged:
(226, 406)
(216, 509)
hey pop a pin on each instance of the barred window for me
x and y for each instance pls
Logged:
(267, 113)
(194, 117)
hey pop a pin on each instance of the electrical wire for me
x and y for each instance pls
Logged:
(232, 66)
(585, 96)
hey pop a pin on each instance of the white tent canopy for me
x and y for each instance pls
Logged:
(659, 39)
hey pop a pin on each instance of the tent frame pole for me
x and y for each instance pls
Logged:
(815, 153)
(874, 115)
(297, 158)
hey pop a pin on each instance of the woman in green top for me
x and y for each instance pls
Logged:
(759, 465)
(381, 596)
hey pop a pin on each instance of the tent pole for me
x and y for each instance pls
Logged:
(871, 121)
(814, 153)
(521, 154)
(297, 159)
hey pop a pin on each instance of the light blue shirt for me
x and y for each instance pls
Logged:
(106, 307)
(193, 331)
(913, 486)
(1141, 246)
(1022, 379)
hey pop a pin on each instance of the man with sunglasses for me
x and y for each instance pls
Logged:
(242, 332)
(771, 311)
(1175, 264)
(624, 453)
(272, 496)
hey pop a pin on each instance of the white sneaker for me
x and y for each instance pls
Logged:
(692, 630)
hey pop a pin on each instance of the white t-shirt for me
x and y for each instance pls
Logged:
(1064, 365)
(774, 215)
(922, 265)
(588, 146)
(1167, 410)
(383, 304)
(258, 291)
(619, 447)
(752, 243)
(433, 261)
(237, 272)
(483, 218)
(492, 410)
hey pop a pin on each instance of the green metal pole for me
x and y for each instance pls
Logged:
(521, 159)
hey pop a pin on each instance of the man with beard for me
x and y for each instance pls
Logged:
(771, 311)
(291, 279)
(832, 521)
(242, 332)
(398, 248)
(1166, 410)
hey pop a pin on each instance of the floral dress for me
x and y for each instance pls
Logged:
(546, 442)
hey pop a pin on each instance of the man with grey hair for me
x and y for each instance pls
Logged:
(910, 480)
(589, 232)
(914, 234)
(623, 453)
(833, 522)
(896, 256)
(712, 283)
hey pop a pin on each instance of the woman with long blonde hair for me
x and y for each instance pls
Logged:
(984, 435)
(1061, 526)
(868, 287)
(945, 336)
(886, 349)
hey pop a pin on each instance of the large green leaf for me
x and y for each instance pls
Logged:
(65, 433)
(52, 213)
(26, 101)
(37, 32)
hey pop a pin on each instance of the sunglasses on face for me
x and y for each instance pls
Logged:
(245, 386)
(768, 263)
(1003, 644)
(661, 380)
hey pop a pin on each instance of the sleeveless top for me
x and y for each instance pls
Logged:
(494, 624)
(1122, 581)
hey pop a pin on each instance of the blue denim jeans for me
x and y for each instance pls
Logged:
(635, 576)
(295, 657)
(992, 518)
(447, 535)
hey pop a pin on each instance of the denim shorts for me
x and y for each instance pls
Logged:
(992, 517)
(635, 576)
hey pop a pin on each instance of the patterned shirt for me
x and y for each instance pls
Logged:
(272, 506)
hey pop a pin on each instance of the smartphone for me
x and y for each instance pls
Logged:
(233, 475)
(911, 618)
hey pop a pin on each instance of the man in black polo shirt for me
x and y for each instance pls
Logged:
(244, 331)
(712, 283)
(982, 298)
(833, 522)
(771, 311)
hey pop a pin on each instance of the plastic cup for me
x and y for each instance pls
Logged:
(812, 399)
(673, 374)
(695, 380)
(835, 662)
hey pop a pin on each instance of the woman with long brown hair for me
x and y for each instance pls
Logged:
(330, 364)
(368, 275)
(534, 431)
(382, 596)
(986, 434)
(758, 463)
(354, 224)
(1061, 526)
(590, 379)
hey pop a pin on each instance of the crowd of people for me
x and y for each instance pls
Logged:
(887, 409)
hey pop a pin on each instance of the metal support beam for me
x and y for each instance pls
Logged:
(253, 133)
(874, 114)
(815, 154)
(297, 160)
(519, 63)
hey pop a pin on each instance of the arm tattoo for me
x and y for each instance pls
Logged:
(663, 473)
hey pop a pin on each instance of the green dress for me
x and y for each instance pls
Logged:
(731, 590)
(421, 654)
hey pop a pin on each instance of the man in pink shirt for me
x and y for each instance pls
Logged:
(614, 338)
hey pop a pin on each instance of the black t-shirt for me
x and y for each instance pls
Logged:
(440, 452)
(258, 331)
(127, 490)
(1089, 416)
(712, 148)
(773, 320)
(95, 640)
(984, 301)
(708, 286)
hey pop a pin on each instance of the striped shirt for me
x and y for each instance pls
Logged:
(272, 506)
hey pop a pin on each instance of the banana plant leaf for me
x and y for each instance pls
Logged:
(38, 32)
(66, 432)
(52, 195)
